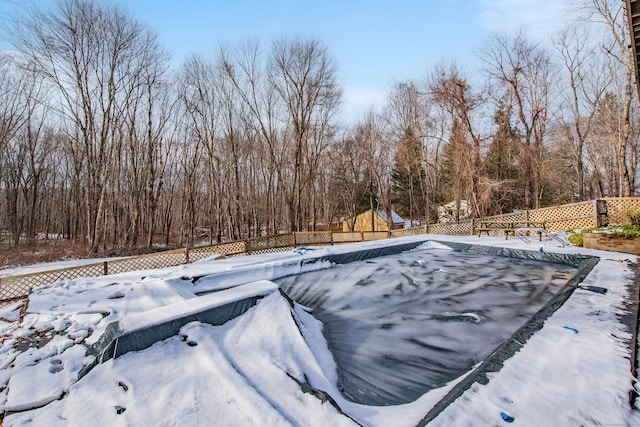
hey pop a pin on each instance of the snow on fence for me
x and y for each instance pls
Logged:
(558, 218)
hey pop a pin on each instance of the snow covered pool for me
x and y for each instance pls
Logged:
(401, 321)
(401, 325)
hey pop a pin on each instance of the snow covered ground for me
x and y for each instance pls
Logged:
(272, 365)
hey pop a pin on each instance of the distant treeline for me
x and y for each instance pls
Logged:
(101, 142)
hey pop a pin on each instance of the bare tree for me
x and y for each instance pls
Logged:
(262, 111)
(523, 71)
(587, 82)
(350, 178)
(39, 142)
(303, 75)
(450, 89)
(13, 102)
(13, 115)
(95, 57)
(611, 14)
(408, 114)
(370, 137)
(143, 146)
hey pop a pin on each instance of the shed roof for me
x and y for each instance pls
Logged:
(394, 216)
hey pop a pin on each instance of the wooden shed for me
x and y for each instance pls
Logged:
(364, 221)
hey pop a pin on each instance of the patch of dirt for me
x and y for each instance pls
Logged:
(34, 253)
(62, 250)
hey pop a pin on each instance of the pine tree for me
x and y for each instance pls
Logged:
(409, 177)
(506, 186)
(454, 166)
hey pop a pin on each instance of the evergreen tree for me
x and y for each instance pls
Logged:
(454, 166)
(505, 186)
(409, 177)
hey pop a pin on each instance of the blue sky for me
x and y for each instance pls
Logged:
(374, 42)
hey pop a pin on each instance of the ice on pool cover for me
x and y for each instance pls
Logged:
(401, 325)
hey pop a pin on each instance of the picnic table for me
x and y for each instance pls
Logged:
(510, 227)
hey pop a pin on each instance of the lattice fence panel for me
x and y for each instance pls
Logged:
(569, 224)
(19, 286)
(228, 249)
(451, 228)
(313, 238)
(374, 235)
(618, 207)
(414, 231)
(148, 262)
(347, 237)
(567, 217)
(513, 216)
(272, 250)
(269, 243)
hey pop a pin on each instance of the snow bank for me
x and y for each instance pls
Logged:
(246, 372)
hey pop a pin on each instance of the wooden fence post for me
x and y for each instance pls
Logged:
(473, 226)
(105, 268)
(186, 255)
(600, 213)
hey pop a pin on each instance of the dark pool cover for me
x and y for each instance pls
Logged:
(401, 325)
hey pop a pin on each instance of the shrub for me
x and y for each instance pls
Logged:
(628, 231)
(575, 238)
